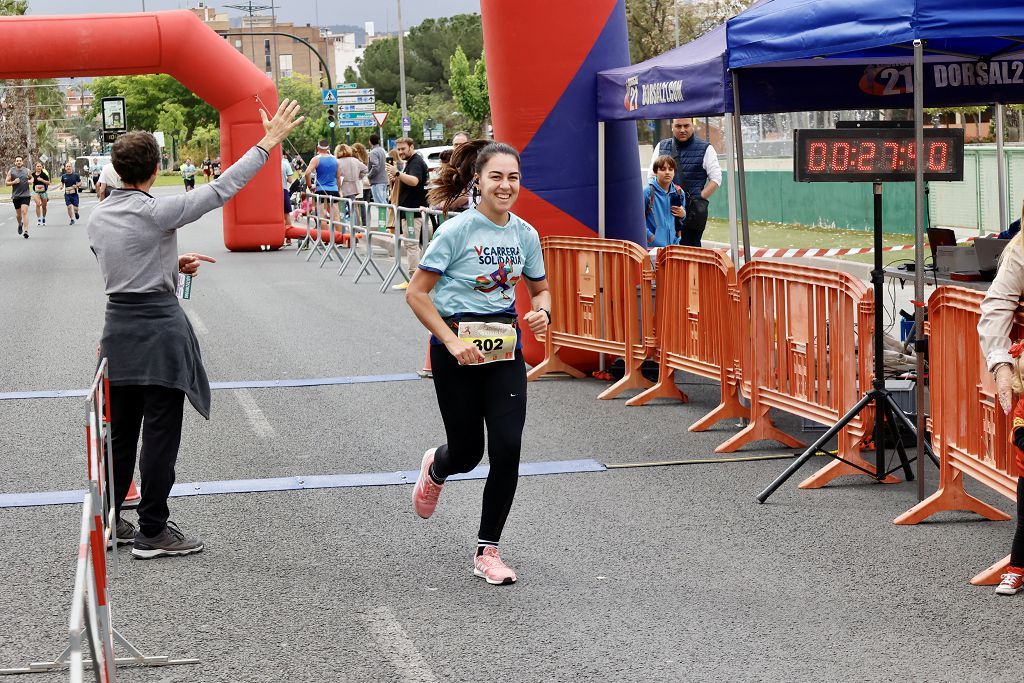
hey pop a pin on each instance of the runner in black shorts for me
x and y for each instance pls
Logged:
(71, 183)
(19, 180)
(188, 173)
(472, 268)
(40, 188)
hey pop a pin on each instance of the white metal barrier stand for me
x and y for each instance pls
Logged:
(90, 606)
(376, 234)
(337, 231)
(307, 241)
(323, 206)
(406, 233)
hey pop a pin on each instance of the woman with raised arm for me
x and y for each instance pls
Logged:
(464, 293)
(153, 353)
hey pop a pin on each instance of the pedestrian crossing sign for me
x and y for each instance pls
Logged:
(330, 98)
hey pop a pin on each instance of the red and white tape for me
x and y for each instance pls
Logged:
(838, 251)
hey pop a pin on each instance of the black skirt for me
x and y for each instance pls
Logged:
(148, 340)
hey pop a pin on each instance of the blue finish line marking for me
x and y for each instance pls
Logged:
(301, 483)
(252, 384)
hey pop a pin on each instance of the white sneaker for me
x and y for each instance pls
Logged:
(1012, 582)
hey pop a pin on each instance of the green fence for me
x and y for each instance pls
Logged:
(973, 202)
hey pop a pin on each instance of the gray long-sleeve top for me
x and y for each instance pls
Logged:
(134, 235)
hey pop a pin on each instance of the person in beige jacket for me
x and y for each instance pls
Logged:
(997, 311)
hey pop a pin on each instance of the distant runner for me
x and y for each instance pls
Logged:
(19, 180)
(72, 183)
(188, 173)
(40, 187)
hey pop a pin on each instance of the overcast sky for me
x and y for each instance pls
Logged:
(322, 12)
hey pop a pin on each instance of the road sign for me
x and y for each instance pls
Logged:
(380, 117)
(357, 107)
(357, 123)
(355, 115)
(435, 132)
(406, 124)
(357, 99)
(347, 86)
(349, 92)
(329, 98)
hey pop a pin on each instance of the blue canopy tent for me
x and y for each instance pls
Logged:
(691, 80)
(973, 54)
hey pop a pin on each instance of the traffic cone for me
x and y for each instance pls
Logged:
(427, 372)
(131, 501)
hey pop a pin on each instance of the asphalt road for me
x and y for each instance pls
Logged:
(660, 573)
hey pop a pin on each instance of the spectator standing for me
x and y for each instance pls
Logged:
(377, 172)
(663, 205)
(412, 194)
(352, 172)
(459, 138)
(286, 181)
(109, 180)
(359, 152)
(697, 171)
(154, 356)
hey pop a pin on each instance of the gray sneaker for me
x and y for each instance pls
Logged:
(170, 541)
(124, 533)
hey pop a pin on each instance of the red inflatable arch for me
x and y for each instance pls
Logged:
(180, 45)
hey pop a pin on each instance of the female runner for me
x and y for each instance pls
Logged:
(471, 268)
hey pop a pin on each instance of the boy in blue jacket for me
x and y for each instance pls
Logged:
(663, 205)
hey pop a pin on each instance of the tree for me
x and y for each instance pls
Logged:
(144, 96)
(205, 138)
(470, 87)
(304, 138)
(651, 23)
(428, 51)
(171, 120)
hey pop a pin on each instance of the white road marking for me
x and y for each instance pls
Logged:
(257, 420)
(397, 646)
(197, 322)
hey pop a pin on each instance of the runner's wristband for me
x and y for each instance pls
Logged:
(547, 313)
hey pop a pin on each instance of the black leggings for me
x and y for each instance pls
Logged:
(1017, 551)
(470, 397)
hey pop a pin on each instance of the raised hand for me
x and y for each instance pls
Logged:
(283, 123)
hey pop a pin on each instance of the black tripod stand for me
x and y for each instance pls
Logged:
(887, 413)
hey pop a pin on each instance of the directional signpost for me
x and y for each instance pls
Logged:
(355, 106)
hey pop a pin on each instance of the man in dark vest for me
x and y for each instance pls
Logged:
(697, 171)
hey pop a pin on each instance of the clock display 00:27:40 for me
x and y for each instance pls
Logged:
(874, 156)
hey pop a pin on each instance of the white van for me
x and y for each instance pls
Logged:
(89, 168)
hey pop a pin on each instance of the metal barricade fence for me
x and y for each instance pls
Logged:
(594, 307)
(375, 231)
(810, 353)
(90, 613)
(339, 222)
(969, 430)
(698, 326)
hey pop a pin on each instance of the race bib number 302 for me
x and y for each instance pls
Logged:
(496, 341)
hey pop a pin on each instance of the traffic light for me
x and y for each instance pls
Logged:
(331, 119)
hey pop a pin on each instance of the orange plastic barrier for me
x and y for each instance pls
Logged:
(807, 327)
(697, 324)
(969, 430)
(595, 285)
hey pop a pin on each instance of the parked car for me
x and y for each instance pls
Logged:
(432, 155)
(89, 169)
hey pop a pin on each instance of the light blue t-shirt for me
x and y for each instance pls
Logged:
(480, 263)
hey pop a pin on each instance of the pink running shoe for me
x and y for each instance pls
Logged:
(426, 492)
(490, 567)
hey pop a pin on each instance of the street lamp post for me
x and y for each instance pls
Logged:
(401, 63)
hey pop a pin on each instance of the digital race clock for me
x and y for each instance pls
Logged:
(876, 155)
